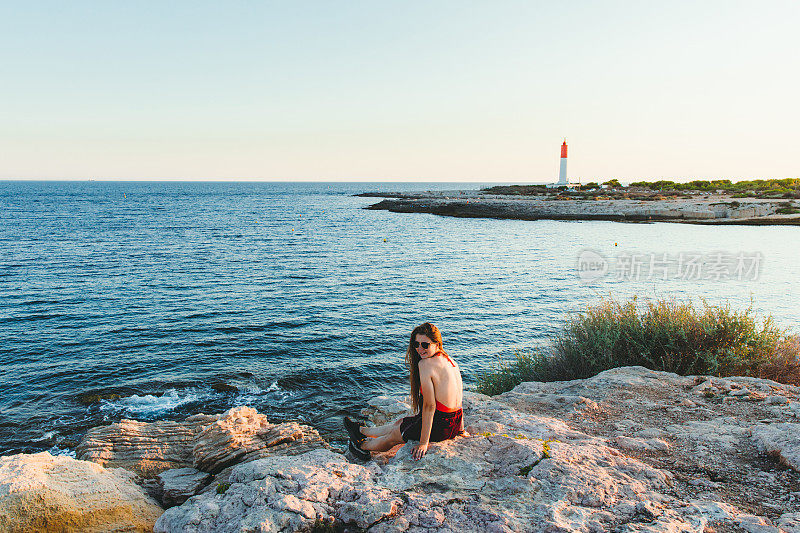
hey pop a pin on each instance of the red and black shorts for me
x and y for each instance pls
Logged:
(445, 426)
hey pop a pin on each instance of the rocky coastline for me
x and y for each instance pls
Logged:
(713, 209)
(627, 450)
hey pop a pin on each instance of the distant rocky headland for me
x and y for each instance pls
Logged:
(624, 204)
(628, 450)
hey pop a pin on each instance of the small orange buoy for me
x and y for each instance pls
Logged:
(384, 240)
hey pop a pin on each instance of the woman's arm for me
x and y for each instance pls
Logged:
(428, 408)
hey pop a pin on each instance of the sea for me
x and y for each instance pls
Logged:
(158, 300)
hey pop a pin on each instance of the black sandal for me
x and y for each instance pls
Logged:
(354, 430)
(357, 452)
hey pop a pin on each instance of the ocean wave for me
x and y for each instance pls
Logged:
(252, 394)
(153, 406)
(47, 436)
(156, 406)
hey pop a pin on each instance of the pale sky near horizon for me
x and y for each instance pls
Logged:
(433, 91)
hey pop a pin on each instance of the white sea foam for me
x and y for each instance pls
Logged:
(252, 394)
(55, 450)
(46, 436)
(149, 405)
(253, 388)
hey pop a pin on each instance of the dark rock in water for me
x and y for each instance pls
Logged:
(220, 386)
(68, 444)
(97, 397)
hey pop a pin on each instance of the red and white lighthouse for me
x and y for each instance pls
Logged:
(562, 171)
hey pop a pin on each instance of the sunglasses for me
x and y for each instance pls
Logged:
(425, 345)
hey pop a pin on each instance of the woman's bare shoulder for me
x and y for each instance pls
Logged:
(426, 364)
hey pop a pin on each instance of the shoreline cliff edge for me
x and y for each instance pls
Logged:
(630, 449)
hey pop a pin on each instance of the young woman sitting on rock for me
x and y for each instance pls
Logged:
(436, 395)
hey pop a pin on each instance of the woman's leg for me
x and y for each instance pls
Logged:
(380, 431)
(384, 442)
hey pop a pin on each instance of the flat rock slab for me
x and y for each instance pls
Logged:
(479, 205)
(286, 494)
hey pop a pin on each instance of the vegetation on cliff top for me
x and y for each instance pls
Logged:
(784, 188)
(670, 335)
(644, 190)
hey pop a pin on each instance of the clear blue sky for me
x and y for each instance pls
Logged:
(412, 90)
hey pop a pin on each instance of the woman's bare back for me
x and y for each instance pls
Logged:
(446, 377)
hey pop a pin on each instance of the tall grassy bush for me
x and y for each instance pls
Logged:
(667, 335)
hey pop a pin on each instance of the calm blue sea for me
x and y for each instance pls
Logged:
(175, 298)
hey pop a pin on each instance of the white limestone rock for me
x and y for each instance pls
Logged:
(178, 484)
(633, 443)
(781, 440)
(40, 492)
(286, 494)
(755, 524)
(791, 409)
(384, 410)
(720, 434)
(777, 399)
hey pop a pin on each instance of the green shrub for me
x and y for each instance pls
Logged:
(777, 192)
(667, 335)
(526, 366)
(786, 208)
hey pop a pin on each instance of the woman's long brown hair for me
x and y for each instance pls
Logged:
(412, 360)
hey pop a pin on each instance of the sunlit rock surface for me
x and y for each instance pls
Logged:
(627, 450)
(208, 443)
(40, 492)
